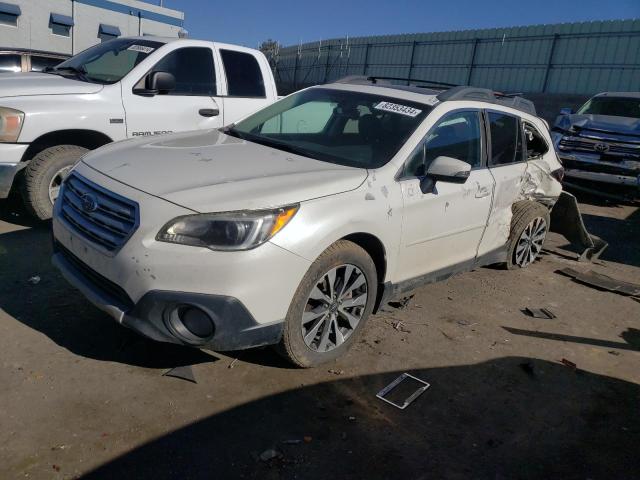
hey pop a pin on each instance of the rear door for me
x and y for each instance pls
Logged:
(192, 105)
(507, 165)
(246, 88)
(441, 230)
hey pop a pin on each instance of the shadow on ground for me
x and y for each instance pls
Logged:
(508, 418)
(34, 293)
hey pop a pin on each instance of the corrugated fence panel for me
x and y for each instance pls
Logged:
(574, 58)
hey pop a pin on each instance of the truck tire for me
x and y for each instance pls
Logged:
(43, 175)
(529, 228)
(330, 306)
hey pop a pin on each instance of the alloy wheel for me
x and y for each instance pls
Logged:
(530, 242)
(334, 308)
(56, 183)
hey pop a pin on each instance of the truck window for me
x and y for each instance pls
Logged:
(244, 78)
(193, 69)
(506, 139)
(10, 63)
(39, 63)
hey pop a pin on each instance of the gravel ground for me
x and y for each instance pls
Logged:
(83, 397)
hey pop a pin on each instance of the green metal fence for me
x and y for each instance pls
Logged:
(575, 58)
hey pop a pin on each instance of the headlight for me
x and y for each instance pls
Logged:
(10, 124)
(227, 231)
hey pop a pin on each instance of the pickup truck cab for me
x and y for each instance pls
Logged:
(123, 88)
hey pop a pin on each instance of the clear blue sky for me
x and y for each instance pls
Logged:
(249, 22)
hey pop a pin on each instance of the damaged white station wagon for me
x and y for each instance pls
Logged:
(292, 226)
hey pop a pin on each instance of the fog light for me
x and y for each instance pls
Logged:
(189, 323)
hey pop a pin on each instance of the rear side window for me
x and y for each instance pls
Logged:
(10, 63)
(243, 74)
(506, 139)
(193, 69)
(535, 142)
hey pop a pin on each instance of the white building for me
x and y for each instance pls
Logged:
(70, 26)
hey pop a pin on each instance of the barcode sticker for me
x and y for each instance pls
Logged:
(396, 108)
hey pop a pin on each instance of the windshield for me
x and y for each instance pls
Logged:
(615, 106)
(349, 128)
(107, 62)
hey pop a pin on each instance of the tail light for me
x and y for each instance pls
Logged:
(558, 174)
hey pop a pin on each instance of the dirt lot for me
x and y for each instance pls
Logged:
(82, 396)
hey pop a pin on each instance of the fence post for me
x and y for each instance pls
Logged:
(549, 62)
(295, 73)
(326, 65)
(473, 60)
(413, 52)
(366, 59)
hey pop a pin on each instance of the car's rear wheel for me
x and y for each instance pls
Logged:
(331, 306)
(44, 175)
(529, 228)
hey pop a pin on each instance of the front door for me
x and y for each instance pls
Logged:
(441, 230)
(192, 105)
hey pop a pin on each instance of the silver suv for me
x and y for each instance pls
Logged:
(293, 225)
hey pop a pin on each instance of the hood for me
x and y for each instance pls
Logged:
(208, 171)
(33, 83)
(605, 123)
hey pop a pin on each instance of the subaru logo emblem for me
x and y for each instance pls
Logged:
(89, 203)
(601, 147)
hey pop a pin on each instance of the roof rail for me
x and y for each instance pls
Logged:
(450, 91)
(489, 96)
(374, 79)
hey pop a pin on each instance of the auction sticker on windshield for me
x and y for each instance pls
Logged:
(141, 48)
(396, 108)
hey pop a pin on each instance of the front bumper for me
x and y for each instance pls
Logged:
(10, 164)
(235, 328)
(590, 167)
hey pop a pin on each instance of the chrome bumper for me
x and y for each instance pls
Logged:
(7, 174)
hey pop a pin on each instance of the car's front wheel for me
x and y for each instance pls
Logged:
(330, 306)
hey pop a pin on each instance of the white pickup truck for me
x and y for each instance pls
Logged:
(123, 88)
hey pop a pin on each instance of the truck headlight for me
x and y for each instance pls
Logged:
(242, 230)
(10, 124)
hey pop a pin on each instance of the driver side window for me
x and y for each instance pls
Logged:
(456, 135)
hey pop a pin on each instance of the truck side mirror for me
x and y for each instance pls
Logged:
(566, 111)
(157, 83)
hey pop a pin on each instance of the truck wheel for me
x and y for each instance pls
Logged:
(43, 176)
(330, 307)
(529, 227)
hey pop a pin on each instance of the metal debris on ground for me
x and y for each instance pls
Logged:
(336, 372)
(232, 364)
(184, 373)
(539, 313)
(399, 304)
(400, 327)
(34, 280)
(382, 394)
(568, 363)
(294, 441)
(269, 455)
(602, 282)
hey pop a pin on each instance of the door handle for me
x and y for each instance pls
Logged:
(209, 112)
(482, 192)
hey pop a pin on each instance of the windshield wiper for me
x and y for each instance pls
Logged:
(79, 72)
(268, 142)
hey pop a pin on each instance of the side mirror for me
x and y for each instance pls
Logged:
(566, 111)
(445, 169)
(157, 83)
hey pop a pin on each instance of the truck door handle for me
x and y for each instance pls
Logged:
(482, 192)
(209, 112)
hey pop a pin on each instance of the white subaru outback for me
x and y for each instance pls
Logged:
(293, 225)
